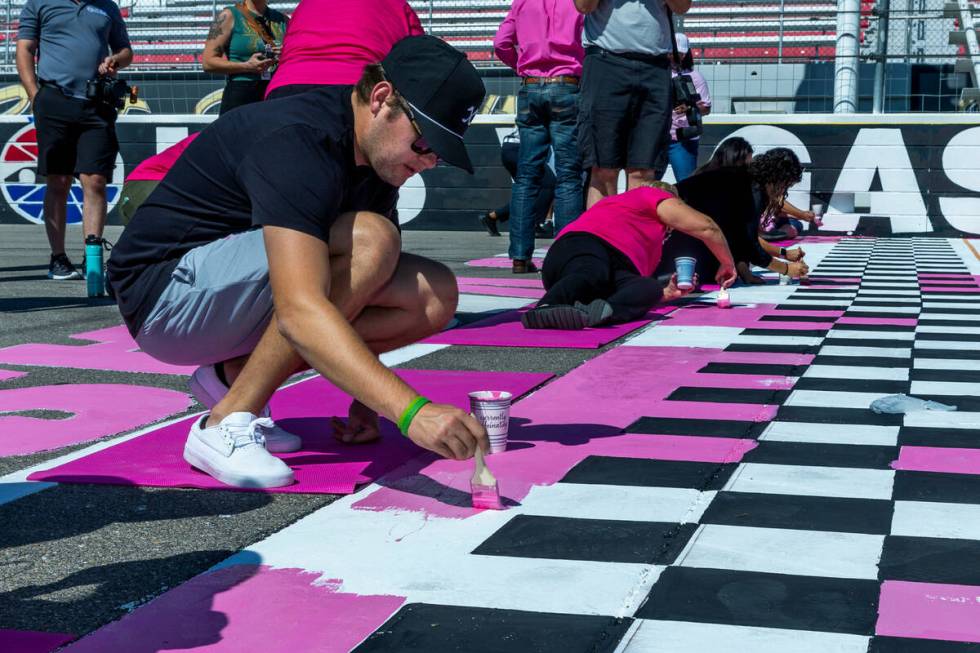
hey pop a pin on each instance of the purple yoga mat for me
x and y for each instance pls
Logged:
(31, 641)
(505, 330)
(322, 466)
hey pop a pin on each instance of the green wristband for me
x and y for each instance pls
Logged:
(413, 408)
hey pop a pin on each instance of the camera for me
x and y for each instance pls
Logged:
(685, 93)
(110, 91)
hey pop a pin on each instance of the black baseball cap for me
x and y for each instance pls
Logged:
(443, 90)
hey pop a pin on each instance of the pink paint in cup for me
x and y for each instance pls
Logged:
(492, 409)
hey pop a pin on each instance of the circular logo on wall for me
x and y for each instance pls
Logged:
(22, 189)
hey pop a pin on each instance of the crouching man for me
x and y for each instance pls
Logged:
(269, 248)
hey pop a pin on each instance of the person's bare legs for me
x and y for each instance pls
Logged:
(56, 211)
(407, 304)
(637, 176)
(93, 204)
(602, 183)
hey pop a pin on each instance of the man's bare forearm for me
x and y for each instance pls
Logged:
(26, 69)
(123, 57)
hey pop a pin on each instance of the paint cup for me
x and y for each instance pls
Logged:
(818, 210)
(685, 271)
(492, 409)
(723, 301)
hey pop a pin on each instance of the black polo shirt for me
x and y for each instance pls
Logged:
(287, 163)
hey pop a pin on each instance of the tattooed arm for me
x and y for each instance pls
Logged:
(214, 59)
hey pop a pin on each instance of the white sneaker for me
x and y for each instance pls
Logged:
(208, 389)
(234, 453)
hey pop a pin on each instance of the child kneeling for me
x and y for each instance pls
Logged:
(598, 271)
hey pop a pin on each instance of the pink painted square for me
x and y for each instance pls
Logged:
(247, 608)
(929, 611)
(949, 460)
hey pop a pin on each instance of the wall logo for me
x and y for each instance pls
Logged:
(22, 189)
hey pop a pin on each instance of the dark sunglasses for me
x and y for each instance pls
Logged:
(420, 146)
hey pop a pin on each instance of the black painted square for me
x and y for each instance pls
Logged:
(935, 486)
(797, 333)
(818, 454)
(808, 307)
(794, 318)
(920, 436)
(837, 341)
(761, 369)
(851, 385)
(598, 540)
(946, 354)
(773, 349)
(763, 600)
(874, 327)
(720, 428)
(930, 560)
(435, 628)
(910, 645)
(870, 516)
(830, 415)
(949, 337)
(864, 361)
(729, 395)
(643, 472)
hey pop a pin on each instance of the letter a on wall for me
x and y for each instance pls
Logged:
(883, 151)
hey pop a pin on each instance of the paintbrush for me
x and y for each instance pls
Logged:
(483, 486)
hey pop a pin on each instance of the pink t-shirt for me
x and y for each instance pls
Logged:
(330, 42)
(629, 222)
(156, 167)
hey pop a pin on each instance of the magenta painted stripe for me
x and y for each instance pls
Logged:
(530, 293)
(245, 608)
(740, 315)
(945, 275)
(948, 282)
(891, 321)
(929, 611)
(940, 289)
(509, 282)
(31, 641)
(951, 460)
(497, 262)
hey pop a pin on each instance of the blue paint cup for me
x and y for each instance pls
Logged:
(685, 271)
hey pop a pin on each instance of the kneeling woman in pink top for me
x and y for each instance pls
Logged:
(598, 270)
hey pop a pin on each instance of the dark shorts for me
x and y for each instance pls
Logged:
(625, 107)
(239, 92)
(74, 136)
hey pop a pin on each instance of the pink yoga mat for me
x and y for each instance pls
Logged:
(501, 291)
(505, 330)
(322, 466)
(505, 282)
(31, 641)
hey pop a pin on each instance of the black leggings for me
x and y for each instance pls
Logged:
(582, 267)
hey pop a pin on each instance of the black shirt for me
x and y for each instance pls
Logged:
(287, 163)
(730, 198)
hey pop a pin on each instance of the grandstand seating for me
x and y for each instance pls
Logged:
(170, 33)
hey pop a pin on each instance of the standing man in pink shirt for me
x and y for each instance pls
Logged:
(542, 41)
(330, 42)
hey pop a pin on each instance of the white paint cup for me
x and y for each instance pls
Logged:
(818, 210)
(492, 409)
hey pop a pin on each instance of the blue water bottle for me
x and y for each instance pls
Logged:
(94, 270)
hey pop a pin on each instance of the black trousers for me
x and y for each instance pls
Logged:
(241, 92)
(582, 267)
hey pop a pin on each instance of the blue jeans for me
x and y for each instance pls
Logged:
(683, 158)
(546, 118)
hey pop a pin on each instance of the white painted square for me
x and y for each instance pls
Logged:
(927, 328)
(816, 481)
(940, 419)
(777, 340)
(795, 300)
(832, 399)
(664, 335)
(930, 519)
(848, 372)
(946, 364)
(483, 303)
(880, 352)
(961, 305)
(945, 388)
(868, 334)
(946, 345)
(784, 551)
(831, 433)
(966, 317)
(898, 310)
(588, 501)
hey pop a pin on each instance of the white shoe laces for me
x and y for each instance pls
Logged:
(239, 437)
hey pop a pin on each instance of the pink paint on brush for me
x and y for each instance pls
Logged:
(950, 460)
(96, 410)
(498, 262)
(247, 607)
(509, 282)
(501, 291)
(323, 465)
(115, 351)
(31, 641)
(884, 321)
(929, 611)
(578, 415)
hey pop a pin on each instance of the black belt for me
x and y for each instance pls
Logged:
(657, 59)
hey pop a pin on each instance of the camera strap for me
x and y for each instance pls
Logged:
(262, 29)
(673, 35)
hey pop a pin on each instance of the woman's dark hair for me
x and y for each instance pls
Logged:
(687, 62)
(732, 152)
(775, 171)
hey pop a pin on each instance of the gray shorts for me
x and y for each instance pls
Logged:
(216, 307)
